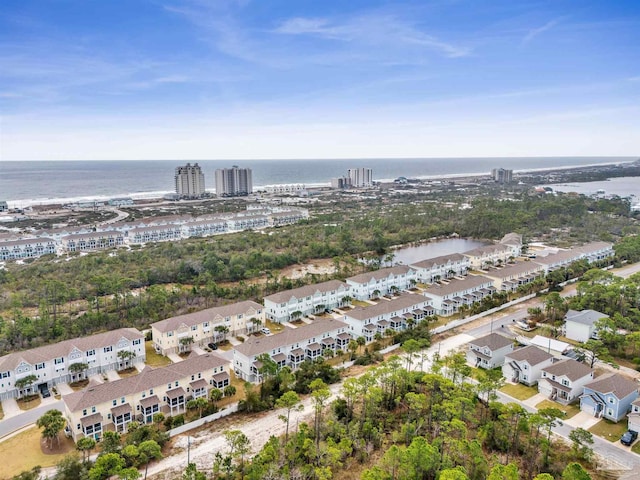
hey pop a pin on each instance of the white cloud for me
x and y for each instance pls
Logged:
(534, 32)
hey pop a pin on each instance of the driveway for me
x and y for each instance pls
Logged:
(10, 408)
(533, 401)
(64, 389)
(288, 324)
(174, 357)
(198, 350)
(112, 375)
(582, 420)
(234, 341)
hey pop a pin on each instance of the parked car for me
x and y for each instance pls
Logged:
(265, 331)
(45, 392)
(629, 437)
(212, 346)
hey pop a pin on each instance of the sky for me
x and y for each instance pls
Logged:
(297, 79)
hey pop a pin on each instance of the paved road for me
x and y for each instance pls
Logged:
(29, 417)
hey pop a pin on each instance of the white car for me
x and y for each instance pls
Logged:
(265, 331)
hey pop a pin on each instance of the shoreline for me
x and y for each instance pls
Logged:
(158, 194)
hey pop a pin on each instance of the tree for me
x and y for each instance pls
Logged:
(361, 341)
(543, 476)
(319, 394)
(504, 472)
(85, 445)
(130, 473)
(106, 466)
(110, 442)
(410, 348)
(192, 473)
(457, 473)
(575, 471)
(221, 331)
(52, 423)
(24, 384)
(185, 344)
(353, 348)
(197, 403)
(239, 445)
(149, 450)
(229, 391)
(290, 401)
(593, 350)
(125, 357)
(79, 368)
(581, 441)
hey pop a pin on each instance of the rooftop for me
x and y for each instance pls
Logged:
(614, 383)
(532, 355)
(247, 307)
(569, 368)
(458, 286)
(380, 274)
(306, 291)
(584, 317)
(493, 341)
(383, 307)
(441, 260)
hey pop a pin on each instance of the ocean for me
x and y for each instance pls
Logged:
(44, 182)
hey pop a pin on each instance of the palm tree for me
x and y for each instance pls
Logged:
(24, 384)
(346, 300)
(256, 322)
(125, 356)
(185, 344)
(375, 294)
(52, 423)
(80, 369)
(221, 330)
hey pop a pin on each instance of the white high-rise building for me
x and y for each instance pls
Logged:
(360, 177)
(233, 182)
(189, 181)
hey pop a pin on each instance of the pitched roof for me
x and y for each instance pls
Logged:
(441, 260)
(614, 383)
(584, 317)
(532, 355)
(455, 285)
(487, 249)
(307, 290)
(64, 348)
(512, 239)
(145, 380)
(384, 307)
(257, 345)
(196, 318)
(520, 269)
(493, 341)
(380, 274)
(569, 368)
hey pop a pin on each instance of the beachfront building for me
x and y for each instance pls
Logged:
(290, 347)
(26, 248)
(564, 381)
(112, 406)
(51, 364)
(205, 227)
(490, 351)
(397, 314)
(310, 299)
(288, 217)
(289, 189)
(179, 334)
(92, 241)
(510, 277)
(155, 233)
(247, 222)
(443, 267)
(189, 181)
(233, 182)
(502, 175)
(609, 396)
(582, 325)
(595, 251)
(382, 282)
(3, 206)
(360, 177)
(448, 297)
(340, 183)
(525, 365)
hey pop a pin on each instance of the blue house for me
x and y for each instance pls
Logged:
(609, 396)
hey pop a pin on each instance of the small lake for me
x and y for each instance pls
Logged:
(409, 255)
(621, 186)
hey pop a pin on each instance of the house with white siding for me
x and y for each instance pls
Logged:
(489, 352)
(92, 241)
(448, 296)
(290, 347)
(310, 299)
(582, 325)
(511, 276)
(155, 233)
(443, 267)
(525, 365)
(205, 228)
(489, 255)
(564, 381)
(50, 363)
(382, 282)
(26, 248)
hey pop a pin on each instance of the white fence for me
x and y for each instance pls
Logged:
(233, 408)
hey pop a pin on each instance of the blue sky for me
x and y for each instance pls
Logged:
(224, 79)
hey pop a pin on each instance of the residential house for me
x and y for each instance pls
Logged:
(581, 325)
(489, 255)
(448, 297)
(395, 314)
(51, 363)
(443, 267)
(155, 233)
(525, 365)
(381, 282)
(290, 347)
(112, 406)
(310, 299)
(205, 227)
(84, 242)
(564, 381)
(247, 222)
(634, 416)
(26, 248)
(178, 334)
(489, 351)
(609, 396)
(289, 217)
(510, 277)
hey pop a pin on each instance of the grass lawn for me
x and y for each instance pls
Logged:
(27, 403)
(360, 303)
(609, 430)
(274, 327)
(636, 448)
(519, 391)
(1, 412)
(155, 359)
(239, 384)
(24, 451)
(129, 372)
(569, 410)
(79, 385)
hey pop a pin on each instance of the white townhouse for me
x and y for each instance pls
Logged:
(155, 233)
(591, 252)
(448, 297)
(596, 251)
(290, 347)
(204, 228)
(581, 325)
(178, 334)
(396, 314)
(634, 416)
(288, 217)
(247, 222)
(443, 267)
(498, 253)
(85, 242)
(112, 406)
(525, 365)
(382, 281)
(26, 248)
(280, 307)
(50, 363)
(564, 381)
(510, 277)
(489, 351)
(560, 259)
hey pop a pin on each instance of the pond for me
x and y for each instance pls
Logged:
(621, 186)
(409, 255)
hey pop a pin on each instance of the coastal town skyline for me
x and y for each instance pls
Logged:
(245, 80)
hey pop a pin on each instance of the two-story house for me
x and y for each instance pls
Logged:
(290, 347)
(51, 364)
(510, 277)
(382, 281)
(488, 255)
(634, 416)
(113, 405)
(443, 267)
(448, 297)
(489, 351)
(582, 325)
(609, 396)
(525, 365)
(178, 334)
(310, 299)
(564, 381)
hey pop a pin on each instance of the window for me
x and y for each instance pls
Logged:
(169, 334)
(611, 400)
(151, 392)
(84, 412)
(194, 328)
(58, 361)
(177, 384)
(5, 374)
(205, 324)
(136, 341)
(565, 382)
(39, 366)
(121, 399)
(108, 349)
(168, 386)
(93, 409)
(114, 402)
(91, 353)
